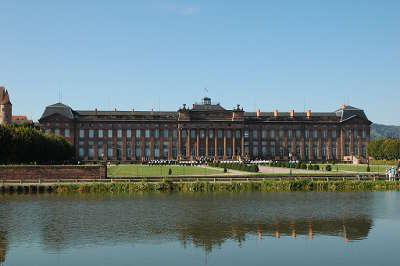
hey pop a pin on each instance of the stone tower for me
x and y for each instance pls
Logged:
(5, 107)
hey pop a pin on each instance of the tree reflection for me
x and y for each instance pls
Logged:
(3, 247)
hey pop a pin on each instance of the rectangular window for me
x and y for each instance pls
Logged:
(325, 133)
(290, 134)
(67, 133)
(298, 133)
(100, 152)
(156, 133)
(219, 133)
(81, 133)
(281, 134)
(91, 133)
(110, 150)
(100, 133)
(264, 134)
(334, 133)
(57, 132)
(255, 134)
(315, 134)
(238, 135)
(175, 134)
(272, 134)
(364, 134)
(229, 134)
(119, 133)
(128, 133)
(147, 134)
(138, 133)
(81, 152)
(211, 134)
(166, 133)
(192, 133)
(202, 134)
(307, 134)
(246, 134)
(110, 133)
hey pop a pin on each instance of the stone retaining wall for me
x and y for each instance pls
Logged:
(24, 172)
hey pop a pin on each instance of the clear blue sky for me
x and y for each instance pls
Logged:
(150, 54)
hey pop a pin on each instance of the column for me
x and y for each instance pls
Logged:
(170, 143)
(133, 145)
(124, 145)
(151, 146)
(329, 146)
(95, 147)
(351, 141)
(179, 146)
(216, 144)
(114, 138)
(342, 139)
(207, 134)
(224, 134)
(197, 143)
(242, 143)
(302, 147)
(188, 154)
(234, 145)
(286, 142)
(143, 143)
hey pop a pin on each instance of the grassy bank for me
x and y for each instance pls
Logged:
(262, 186)
(137, 170)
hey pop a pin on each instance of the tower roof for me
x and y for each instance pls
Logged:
(4, 97)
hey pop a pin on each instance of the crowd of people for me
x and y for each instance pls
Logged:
(393, 173)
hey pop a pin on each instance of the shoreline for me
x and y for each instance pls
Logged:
(206, 186)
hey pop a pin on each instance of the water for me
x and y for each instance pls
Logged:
(201, 229)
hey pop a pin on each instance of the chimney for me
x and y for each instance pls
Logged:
(292, 113)
(95, 110)
(276, 113)
(343, 106)
(133, 109)
(258, 112)
(115, 109)
(309, 114)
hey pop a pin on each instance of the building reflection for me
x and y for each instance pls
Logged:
(348, 229)
(3, 247)
(207, 223)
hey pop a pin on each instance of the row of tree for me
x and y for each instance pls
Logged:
(384, 149)
(23, 144)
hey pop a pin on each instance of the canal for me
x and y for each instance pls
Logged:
(296, 228)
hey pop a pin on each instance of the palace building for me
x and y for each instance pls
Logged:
(208, 130)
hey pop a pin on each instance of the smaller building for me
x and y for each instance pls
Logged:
(5, 107)
(21, 120)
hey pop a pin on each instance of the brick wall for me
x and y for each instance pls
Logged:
(18, 172)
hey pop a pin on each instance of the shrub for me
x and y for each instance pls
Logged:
(328, 168)
(169, 171)
(225, 170)
(368, 168)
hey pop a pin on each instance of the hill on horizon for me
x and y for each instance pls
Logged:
(379, 131)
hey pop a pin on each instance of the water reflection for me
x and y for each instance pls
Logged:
(3, 247)
(204, 220)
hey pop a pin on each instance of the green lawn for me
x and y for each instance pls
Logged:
(136, 170)
(361, 168)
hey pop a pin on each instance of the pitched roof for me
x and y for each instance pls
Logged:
(347, 112)
(58, 108)
(4, 97)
